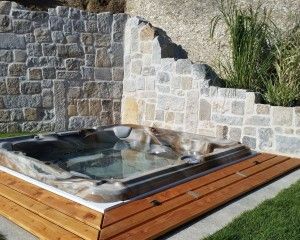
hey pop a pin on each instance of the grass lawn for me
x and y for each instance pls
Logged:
(6, 135)
(276, 219)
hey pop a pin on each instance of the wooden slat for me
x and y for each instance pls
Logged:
(124, 211)
(70, 224)
(33, 223)
(183, 199)
(68, 207)
(185, 213)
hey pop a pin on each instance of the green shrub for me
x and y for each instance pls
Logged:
(284, 90)
(251, 48)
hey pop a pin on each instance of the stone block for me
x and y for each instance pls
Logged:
(287, 144)
(47, 96)
(263, 109)
(249, 141)
(49, 49)
(47, 83)
(257, 121)
(87, 38)
(56, 24)
(6, 56)
(78, 26)
(2, 88)
(136, 67)
(67, 28)
(5, 23)
(30, 114)
(238, 107)
(104, 74)
(13, 86)
(228, 120)
(49, 73)
(21, 101)
(42, 35)
(179, 118)
(170, 117)
(117, 106)
(159, 115)
(35, 74)
(146, 47)
(172, 103)
(74, 93)
(163, 77)
(148, 70)
(76, 123)
(90, 60)
(282, 116)
(205, 110)
(102, 58)
(17, 69)
(265, 138)
(150, 112)
(4, 115)
(117, 53)
(107, 105)
(147, 33)
(117, 89)
(250, 131)
(3, 69)
(106, 118)
(91, 89)
(29, 88)
(22, 26)
(87, 73)
(118, 74)
(102, 40)
(73, 64)
(1, 103)
(58, 37)
(251, 99)
(5, 7)
(60, 106)
(74, 13)
(20, 56)
(12, 41)
(297, 116)
(74, 51)
(68, 75)
(62, 11)
(104, 23)
(186, 83)
(95, 107)
(235, 134)
(16, 115)
(34, 50)
(105, 90)
(72, 110)
(83, 107)
(91, 26)
(183, 66)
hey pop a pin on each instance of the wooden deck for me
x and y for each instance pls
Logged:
(49, 216)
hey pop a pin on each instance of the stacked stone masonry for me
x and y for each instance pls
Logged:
(59, 69)
(70, 69)
(179, 95)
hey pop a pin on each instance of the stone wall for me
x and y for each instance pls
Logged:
(187, 22)
(175, 93)
(59, 69)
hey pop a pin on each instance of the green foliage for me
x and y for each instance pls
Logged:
(285, 89)
(2, 237)
(251, 49)
(277, 218)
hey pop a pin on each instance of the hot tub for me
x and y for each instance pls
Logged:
(119, 162)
